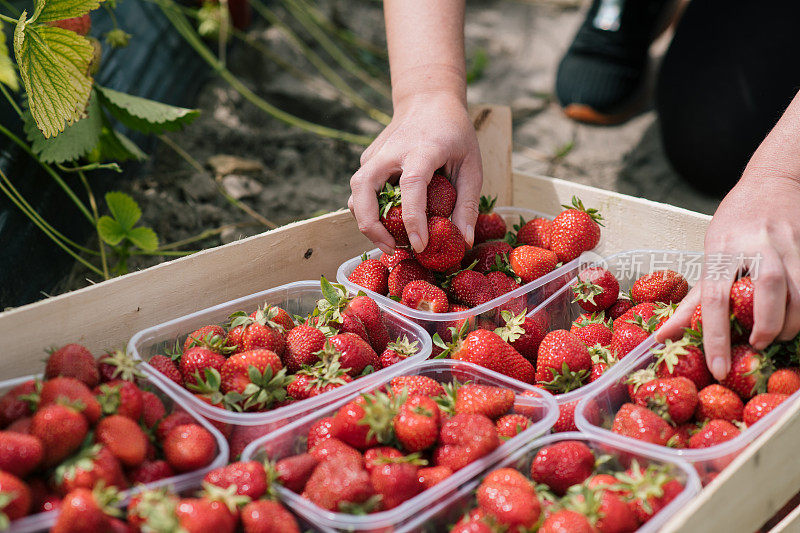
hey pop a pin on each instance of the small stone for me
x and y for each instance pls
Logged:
(230, 164)
(199, 187)
(241, 186)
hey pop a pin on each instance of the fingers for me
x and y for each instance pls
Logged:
(363, 203)
(769, 300)
(673, 329)
(714, 299)
(418, 168)
(468, 191)
(791, 324)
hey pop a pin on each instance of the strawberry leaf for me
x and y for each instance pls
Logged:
(141, 114)
(52, 10)
(8, 76)
(125, 213)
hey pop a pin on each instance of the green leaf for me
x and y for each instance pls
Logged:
(114, 146)
(8, 75)
(53, 10)
(73, 143)
(110, 230)
(145, 115)
(144, 238)
(54, 65)
(124, 209)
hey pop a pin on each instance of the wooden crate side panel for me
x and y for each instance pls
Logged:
(493, 128)
(629, 222)
(753, 487)
(790, 524)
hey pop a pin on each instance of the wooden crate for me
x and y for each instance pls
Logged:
(106, 315)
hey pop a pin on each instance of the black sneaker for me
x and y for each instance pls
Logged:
(600, 78)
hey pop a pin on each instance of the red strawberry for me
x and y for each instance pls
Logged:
(761, 405)
(195, 361)
(124, 438)
(489, 225)
(470, 288)
(257, 375)
(324, 376)
(749, 372)
(464, 439)
(211, 336)
(392, 260)
(19, 454)
(682, 435)
(153, 409)
(120, 397)
(319, 431)
(606, 510)
(395, 481)
(405, 272)
(73, 361)
(640, 423)
(72, 391)
(593, 334)
(189, 447)
(249, 332)
(371, 316)
(628, 336)
(166, 366)
(173, 420)
(619, 308)
(562, 465)
(348, 426)
(266, 516)
(249, 478)
(486, 348)
(302, 344)
(602, 360)
(718, 402)
(485, 254)
(293, 472)
(660, 286)
(150, 471)
(649, 489)
(118, 365)
(566, 521)
(574, 231)
(61, 429)
(531, 263)
(413, 385)
(333, 448)
(523, 333)
(535, 232)
(784, 381)
(200, 515)
(15, 498)
(433, 475)
(713, 433)
(638, 378)
(564, 361)
(597, 289)
(510, 426)
(674, 399)
(87, 468)
(416, 424)
(441, 197)
(513, 504)
(334, 484)
(390, 210)
(424, 296)
(696, 321)
(85, 510)
(13, 404)
(446, 246)
(643, 312)
(374, 457)
(354, 353)
(371, 274)
(741, 299)
(397, 351)
(566, 417)
(487, 400)
(682, 358)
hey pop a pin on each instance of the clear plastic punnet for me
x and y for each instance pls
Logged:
(442, 514)
(298, 298)
(595, 416)
(180, 482)
(291, 440)
(559, 311)
(532, 293)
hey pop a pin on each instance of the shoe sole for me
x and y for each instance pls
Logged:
(588, 115)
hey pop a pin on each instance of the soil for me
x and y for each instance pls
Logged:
(284, 174)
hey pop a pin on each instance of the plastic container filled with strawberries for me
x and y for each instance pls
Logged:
(565, 482)
(519, 258)
(372, 461)
(254, 364)
(669, 401)
(88, 422)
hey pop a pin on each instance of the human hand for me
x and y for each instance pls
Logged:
(429, 131)
(759, 220)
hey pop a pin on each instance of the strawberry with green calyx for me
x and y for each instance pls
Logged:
(313, 380)
(628, 334)
(523, 333)
(574, 231)
(596, 289)
(249, 478)
(485, 254)
(87, 510)
(660, 286)
(20, 401)
(209, 387)
(396, 480)
(120, 397)
(648, 490)
(91, 465)
(489, 225)
(73, 361)
(118, 365)
(587, 319)
(485, 348)
(378, 455)
(411, 385)
(531, 263)
(249, 332)
(212, 337)
(390, 210)
(673, 399)
(602, 360)
(215, 509)
(472, 398)
(416, 424)
(275, 317)
(195, 361)
(404, 273)
(446, 246)
(368, 420)
(510, 426)
(69, 391)
(337, 306)
(154, 508)
(371, 274)
(392, 260)
(535, 232)
(15, 499)
(258, 376)
(302, 344)
(398, 350)
(638, 378)
(166, 365)
(605, 509)
(355, 355)
(425, 296)
(750, 370)
(663, 312)
(564, 361)
(468, 287)
(683, 358)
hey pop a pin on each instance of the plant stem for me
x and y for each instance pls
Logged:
(50, 171)
(190, 35)
(164, 253)
(10, 100)
(93, 203)
(44, 229)
(201, 236)
(91, 166)
(8, 19)
(322, 66)
(335, 52)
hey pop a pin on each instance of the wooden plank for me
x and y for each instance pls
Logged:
(790, 524)
(753, 487)
(493, 127)
(630, 222)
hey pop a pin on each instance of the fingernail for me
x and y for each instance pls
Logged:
(385, 249)
(719, 368)
(416, 242)
(470, 236)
